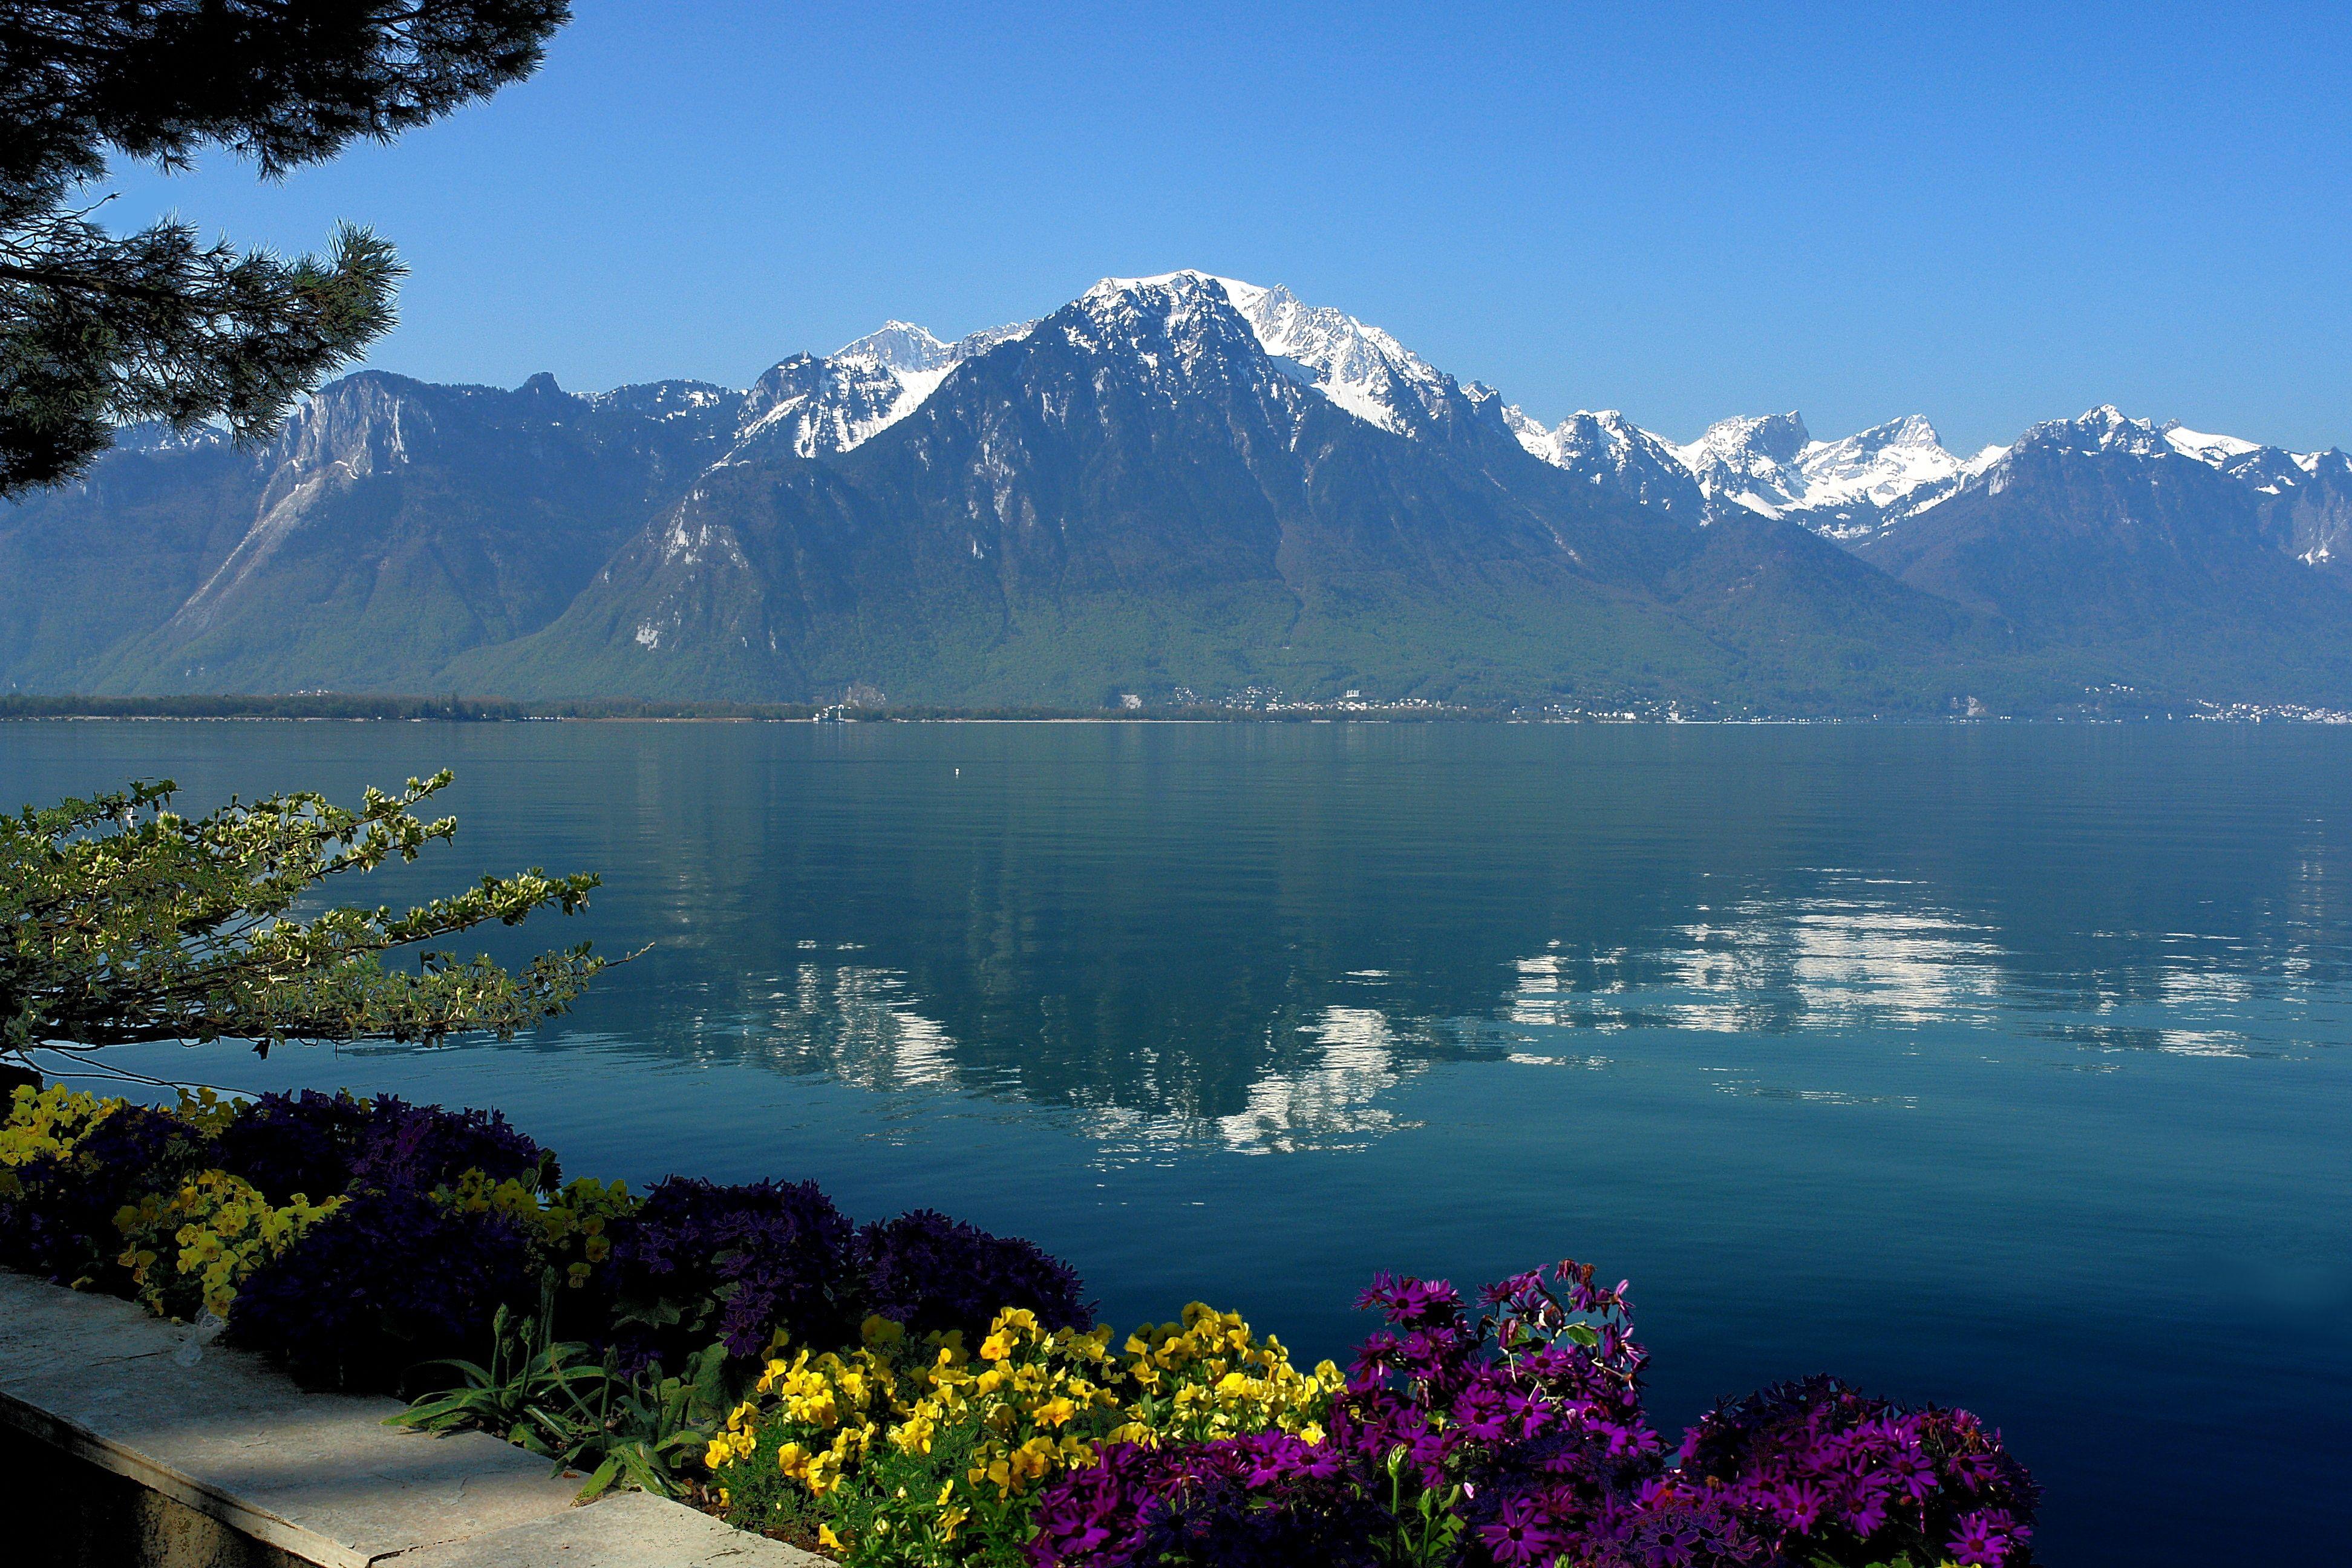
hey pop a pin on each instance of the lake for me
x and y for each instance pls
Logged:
(2003, 1067)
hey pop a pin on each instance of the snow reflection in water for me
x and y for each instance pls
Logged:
(1863, 954)
(1857, 955)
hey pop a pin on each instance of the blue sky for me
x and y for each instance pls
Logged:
(1988, 214)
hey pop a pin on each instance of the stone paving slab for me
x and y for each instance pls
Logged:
(628, 1529)
(317, 1475)
(42, 1327)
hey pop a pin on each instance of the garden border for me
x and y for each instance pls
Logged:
(316, 1476)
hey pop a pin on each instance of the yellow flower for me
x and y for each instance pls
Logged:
(828, 1540)
(1037, 1401)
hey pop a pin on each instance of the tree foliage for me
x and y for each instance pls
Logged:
(122, 921)
(97, 329)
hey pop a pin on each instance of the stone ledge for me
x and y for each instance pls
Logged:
(318, 1476)
(630, 1529)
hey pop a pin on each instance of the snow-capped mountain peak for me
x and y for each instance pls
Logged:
(1768, 464)
(1879, 465)
(814, 406)
(2105, 428)
(2316, 488)
(1180, 326)
(1170, 303)
(1744, 439)
(897, 345)
(1750, 461)
(1849, 488)
(1614, 454)
(1359, 368)
(2215, 450)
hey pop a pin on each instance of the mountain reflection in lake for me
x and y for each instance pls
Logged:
(1993, 1066)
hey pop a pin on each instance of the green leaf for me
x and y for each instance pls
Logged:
(122, 921)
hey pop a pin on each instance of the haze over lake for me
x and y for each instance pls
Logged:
(2001, 1067)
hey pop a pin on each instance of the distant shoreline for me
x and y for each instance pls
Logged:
(351, 707)
(356, 708)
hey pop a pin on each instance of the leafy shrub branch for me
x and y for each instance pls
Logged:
(121, 921)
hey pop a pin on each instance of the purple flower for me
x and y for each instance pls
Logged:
(388, 1280)
(323, 1144)
(1520, 1534)
(1825, 1468)
(288, 1143)
(59, 1224)
(421, 1147)
(699, 1262)
(932, 1274)
(1985, 1538)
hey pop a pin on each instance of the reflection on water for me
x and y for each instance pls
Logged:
(861, 1026)
(1860, 951)
(1990, 1066)
(1336, 1103)
(1856, 954)
(855, 1022)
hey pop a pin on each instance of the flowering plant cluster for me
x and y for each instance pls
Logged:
(44, 1123)
(908, 1450)
(928, 1394)
(69, 1163)
(928, 1274)
(353, 1238)
(189, 1250)
(323, 1144)
(1518, 1438)
(1816, 1461)
(572, 1227)
(704, 1261)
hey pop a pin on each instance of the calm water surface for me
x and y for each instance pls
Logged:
(1998, 1067)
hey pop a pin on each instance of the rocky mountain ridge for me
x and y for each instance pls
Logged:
(1177, 483)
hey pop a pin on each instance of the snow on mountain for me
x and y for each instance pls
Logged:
(1848, 489)
(1750, 461)
(1359, 368)
(1857, 484)
(809, 405)
(897, 345)
(2303, 500)
(2213, 450)
(1770, 464)
(671, 401)
(1178, 330)
(1616, 455)
(814, 406)
(1362, 369)
(2271, 470)
(2305, 496)
(2105, 428)
(1880, 465)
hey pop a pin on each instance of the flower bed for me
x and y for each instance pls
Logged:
(918, 1392)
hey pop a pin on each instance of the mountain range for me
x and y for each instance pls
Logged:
(1174, 487)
